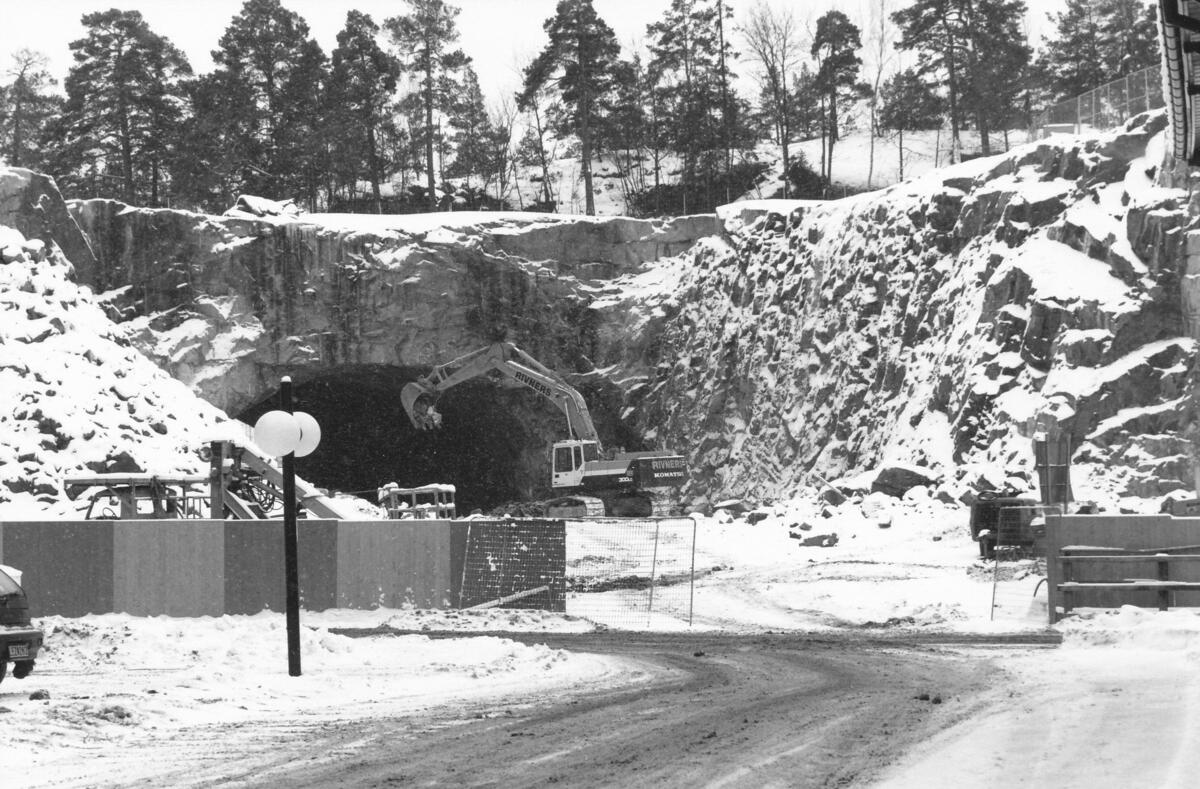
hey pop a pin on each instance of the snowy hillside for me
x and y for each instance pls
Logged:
(76, 397)
(859, 163)
(934, 323)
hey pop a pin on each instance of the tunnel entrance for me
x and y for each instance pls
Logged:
(494, 445)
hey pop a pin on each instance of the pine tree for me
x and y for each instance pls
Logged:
(835, 45)
(362, 81)
(267, 56)
(936, 30)
(27, 104)
(998, 61)
(1129, 36)
(977, 47)
(473, 133)
(807, 119)
(305, 140)
(1097, 42)
(1073, 59)
(625, 127)
(907, 103)
(122, 109)
(690, 61)
(424, 37)
(209, 168)
(578, 64)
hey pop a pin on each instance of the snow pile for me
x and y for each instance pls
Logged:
(76, 397)
(124, 683)
(1138, 628)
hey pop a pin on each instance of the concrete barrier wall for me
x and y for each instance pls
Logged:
(204, 567)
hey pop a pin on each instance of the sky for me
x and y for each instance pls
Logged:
(498, 34)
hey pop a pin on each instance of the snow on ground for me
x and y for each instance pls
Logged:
(1116, 705)
(862, 163)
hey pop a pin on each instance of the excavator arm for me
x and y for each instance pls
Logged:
(419, 398)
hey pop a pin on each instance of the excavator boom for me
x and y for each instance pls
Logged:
(419, 398)
(629, 483)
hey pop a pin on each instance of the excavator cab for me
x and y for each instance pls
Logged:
(569, 457)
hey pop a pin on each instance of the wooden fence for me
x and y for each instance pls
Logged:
(1107, 561)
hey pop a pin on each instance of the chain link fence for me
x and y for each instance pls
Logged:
(1105, 107)
(631, 574)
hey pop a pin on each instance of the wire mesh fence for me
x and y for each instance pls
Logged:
(631, 574)
(1105, 107)
(513, 564)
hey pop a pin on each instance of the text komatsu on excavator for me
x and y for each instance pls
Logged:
(630, 484)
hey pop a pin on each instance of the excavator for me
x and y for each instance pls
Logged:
(586, 481)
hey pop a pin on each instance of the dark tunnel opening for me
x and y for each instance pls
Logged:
(494, 444)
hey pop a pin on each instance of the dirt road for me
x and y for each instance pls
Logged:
(749, 711)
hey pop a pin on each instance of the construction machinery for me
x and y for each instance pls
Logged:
(586, 481)
(137, 496)
(431, 501)
(244, 482)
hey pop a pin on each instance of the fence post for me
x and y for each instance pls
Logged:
(653, 571)
(692, 577)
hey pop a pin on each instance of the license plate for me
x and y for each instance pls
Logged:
(16, 651)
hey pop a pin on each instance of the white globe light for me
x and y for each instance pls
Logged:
(277, 432)
(310, 434)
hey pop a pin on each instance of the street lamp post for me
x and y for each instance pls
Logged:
(289, 435)
(291, 565)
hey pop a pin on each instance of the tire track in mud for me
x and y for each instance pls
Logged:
(728, 711)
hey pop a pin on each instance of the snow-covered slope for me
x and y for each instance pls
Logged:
(933, 323)
(74, 396)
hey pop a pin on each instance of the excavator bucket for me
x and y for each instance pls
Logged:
(418, 403)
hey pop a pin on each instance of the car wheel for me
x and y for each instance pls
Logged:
(3, 669)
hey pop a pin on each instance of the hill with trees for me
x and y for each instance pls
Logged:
(393, 120)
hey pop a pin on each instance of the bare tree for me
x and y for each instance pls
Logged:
(881, 44)
(773, 37)
(503, 115)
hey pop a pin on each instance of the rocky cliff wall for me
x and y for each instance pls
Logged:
(228, 304)
(936, 323)
(75, 397)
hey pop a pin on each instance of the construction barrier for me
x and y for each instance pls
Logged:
(215, 567)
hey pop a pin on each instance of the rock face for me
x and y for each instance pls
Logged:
(31, 204)
(936, 322)
(354, 307)
(229, 304)
(932, 327)
(75, 397)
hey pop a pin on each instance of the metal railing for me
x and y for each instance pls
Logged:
(1105, 107)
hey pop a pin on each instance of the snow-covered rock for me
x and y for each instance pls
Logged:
(76, 397)
(934, 323)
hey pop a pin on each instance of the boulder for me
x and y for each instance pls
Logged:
(896, 479)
